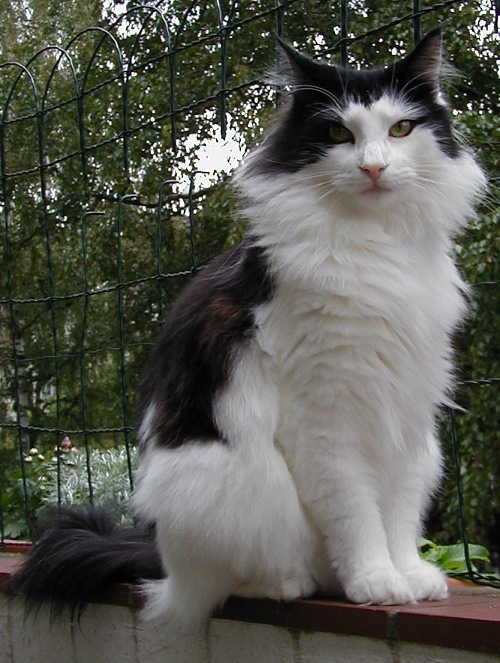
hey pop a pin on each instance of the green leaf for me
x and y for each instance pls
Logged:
(456, 554)
(15, 530)
(451, 559)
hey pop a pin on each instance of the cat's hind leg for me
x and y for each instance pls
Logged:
(227, 513)
(225, 525)
(190, 593)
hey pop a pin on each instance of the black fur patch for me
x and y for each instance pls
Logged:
(193, 356)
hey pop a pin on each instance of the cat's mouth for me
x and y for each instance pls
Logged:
(376, 190)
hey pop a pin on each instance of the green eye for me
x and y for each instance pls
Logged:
(401, 129)
(340, 134)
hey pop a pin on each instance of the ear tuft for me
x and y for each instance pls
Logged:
(425, 61)
(294, 68)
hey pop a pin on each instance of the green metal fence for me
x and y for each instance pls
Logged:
(107, 212)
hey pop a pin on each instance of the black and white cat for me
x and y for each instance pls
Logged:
(288, 409)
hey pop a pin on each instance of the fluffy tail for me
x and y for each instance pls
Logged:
(81, 551)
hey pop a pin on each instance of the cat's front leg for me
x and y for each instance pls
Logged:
(364, 566)
(414, 475)
(340, 494)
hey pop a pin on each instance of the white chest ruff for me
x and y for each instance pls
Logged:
(369, 353)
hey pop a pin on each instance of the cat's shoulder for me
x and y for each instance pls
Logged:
(226, 290)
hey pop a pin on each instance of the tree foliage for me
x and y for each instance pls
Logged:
(105, 216)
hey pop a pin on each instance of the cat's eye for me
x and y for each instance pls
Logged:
(401, 129)
(340, 134)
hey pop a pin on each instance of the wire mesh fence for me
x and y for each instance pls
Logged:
(115, 149)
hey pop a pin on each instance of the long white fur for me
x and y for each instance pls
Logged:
(329, 413)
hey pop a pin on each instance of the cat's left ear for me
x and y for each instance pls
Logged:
(425, 62)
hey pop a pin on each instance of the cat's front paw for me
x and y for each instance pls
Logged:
(382, 586)
(427, 582)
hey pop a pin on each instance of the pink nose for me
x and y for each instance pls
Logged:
(373, 172)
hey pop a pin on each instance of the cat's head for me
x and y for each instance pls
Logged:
(364, 138)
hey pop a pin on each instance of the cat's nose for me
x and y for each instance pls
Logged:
(373, 172)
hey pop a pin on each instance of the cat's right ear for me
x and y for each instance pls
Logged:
(294, 68)
(302, 74)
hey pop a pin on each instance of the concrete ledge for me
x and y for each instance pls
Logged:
(462, 629)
